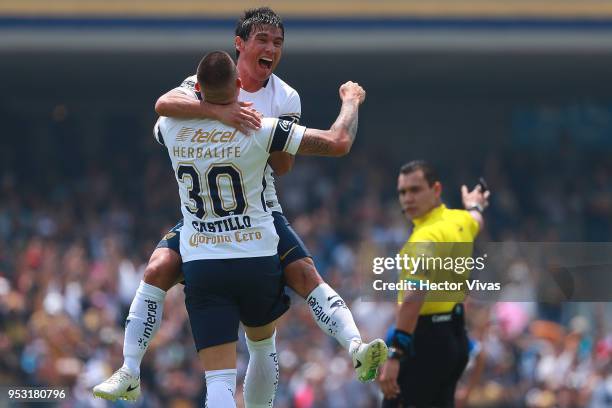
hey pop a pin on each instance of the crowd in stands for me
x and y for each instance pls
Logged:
(75, 237)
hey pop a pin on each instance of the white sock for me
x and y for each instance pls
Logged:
(142, 323)
(220, 388)
(333, 316)
(262, 375)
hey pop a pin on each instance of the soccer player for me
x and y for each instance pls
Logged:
(258, 42)
(228, 242)
(429, 345)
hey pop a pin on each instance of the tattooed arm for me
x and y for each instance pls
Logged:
(336, 141)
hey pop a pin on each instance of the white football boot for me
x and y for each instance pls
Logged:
(120, 385)
(367, 358)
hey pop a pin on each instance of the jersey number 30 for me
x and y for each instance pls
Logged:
(187, 173)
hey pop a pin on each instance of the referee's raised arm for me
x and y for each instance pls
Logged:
(475, 202)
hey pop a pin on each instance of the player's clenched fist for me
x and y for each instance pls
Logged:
(352, 90)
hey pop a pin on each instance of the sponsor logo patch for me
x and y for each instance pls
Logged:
(318, 310)
(148, 324)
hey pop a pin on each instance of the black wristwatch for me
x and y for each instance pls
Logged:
(395, 353)
(476, 207)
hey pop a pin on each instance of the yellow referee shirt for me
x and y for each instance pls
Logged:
(445, 235)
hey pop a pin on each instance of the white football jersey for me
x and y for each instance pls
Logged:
(275, 100)
(220, 175)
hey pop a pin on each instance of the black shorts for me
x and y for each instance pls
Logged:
(429, 377)
(220, 293)
(290, 246)
(172, 239)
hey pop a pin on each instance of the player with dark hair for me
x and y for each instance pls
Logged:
(229, 241)
(258, 43)
(428, 345)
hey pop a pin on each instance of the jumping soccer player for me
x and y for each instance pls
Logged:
(258, 42)
(228, 241)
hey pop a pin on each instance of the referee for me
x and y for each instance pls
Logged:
(429, 345)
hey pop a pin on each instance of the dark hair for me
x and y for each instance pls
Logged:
(258, 17)
(216, 75)
(429, 172)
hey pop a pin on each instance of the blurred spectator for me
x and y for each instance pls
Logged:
(73, 245)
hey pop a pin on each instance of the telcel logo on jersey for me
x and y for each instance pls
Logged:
(213, 136)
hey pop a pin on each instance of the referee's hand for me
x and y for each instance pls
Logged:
(387, 379)
(476, 197)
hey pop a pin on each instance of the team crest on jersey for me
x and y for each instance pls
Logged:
(169, 235)
(284, 124)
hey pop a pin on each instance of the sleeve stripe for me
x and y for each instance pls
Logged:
(271, 136)
(281, 134)
(157, 134)
(263, 191)
(160, 138)
(288, 143)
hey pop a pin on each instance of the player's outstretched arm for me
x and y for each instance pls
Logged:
(336, 141)
(239, 115)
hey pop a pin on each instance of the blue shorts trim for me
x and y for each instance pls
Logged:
(221, 293)
(172, 239)
(290, 245)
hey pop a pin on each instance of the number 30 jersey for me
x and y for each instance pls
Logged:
(220, 175)
(276, 99)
